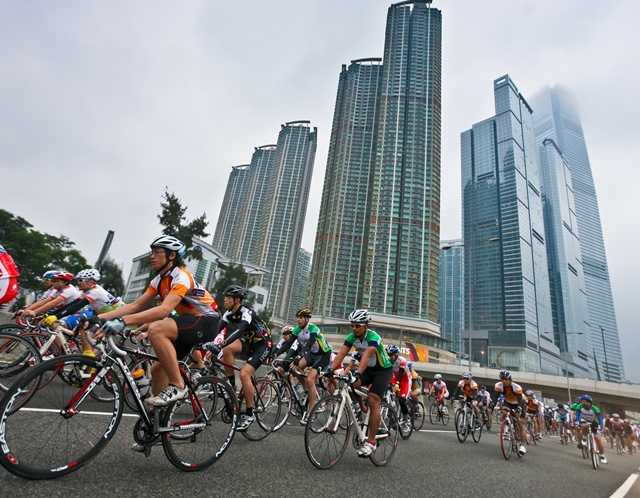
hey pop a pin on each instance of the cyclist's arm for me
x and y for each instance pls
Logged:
(131, 315)
(368, 354)
(456, 393)
(236, 334)
(284, 347)
(71, 308)
(50, 303)
(337, 361)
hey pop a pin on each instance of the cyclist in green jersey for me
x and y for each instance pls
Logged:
(375, 369)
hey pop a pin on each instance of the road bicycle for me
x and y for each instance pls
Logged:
(467, 422)
(438, 412)
(333, 419)
(509, 433)
(531, 434)
(589, 446)
(16, 355)
(417, 412)
(565, 433)
(266, 400)
(406, 426)
(194, 431)
(485, 419)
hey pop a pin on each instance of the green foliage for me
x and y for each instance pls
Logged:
(232, 275)
(174, 223)
(35, 252)
(111, 277)
(19, 303)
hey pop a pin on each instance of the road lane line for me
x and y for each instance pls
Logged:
(622, 491)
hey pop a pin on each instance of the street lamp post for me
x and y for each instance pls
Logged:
(604, 349)
(566, 366)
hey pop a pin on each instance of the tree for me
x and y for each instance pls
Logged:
(111, 277)
(175, 223)
(231, 275)
(36, 252)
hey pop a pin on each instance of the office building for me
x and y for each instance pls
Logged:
(556, 118)
(451, 292)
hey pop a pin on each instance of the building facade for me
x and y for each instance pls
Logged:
(506, 277)
(343, 223)
(556, 118)
(401, 268)
(451, 292)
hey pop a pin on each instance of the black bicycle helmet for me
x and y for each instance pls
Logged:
(235, 291)
(505, 375)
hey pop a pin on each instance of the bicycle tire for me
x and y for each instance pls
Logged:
(593, 449)
(405, 426)
(266, 410)
(200, 447)
(285, 403)
(487, 421)
(445, 416)
(387, 437)
(326, 436)
(476, 428)
(73, 439)
(12, 328)
(461, 426)
(619, 445)
(16, 356)
(506, 439)
(433, 413)
(418, 415)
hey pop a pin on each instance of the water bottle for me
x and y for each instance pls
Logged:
(144, 386)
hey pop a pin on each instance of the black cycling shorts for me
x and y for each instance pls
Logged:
(193, 330)
(255, 353)
(318, 361)
(378, 380)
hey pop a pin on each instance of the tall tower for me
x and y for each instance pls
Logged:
(556, 117)
(401, 265)
(506, 276)
(343, 223)
(284, 210)
(451, 292)
(566, 274)
(232, 204)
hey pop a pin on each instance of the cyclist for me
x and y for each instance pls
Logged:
(561, 416)
(532, 406)
(469, 389)
(589, 414)
(315, 353)
(171, 336)
(617, 429)
(572, 417)
(417, 387)
(64, 293)
(439, 387)
(94, 296)
(401, 381)
(375, 369)
(512, 400)
(251, 339)
(484, 398)
(47, 279)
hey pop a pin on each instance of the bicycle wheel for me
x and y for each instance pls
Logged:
(433, 413)
(387, 436)
(285, 403)
(266, 410)
(12, 328)
(136, 364)
(487, 421)
(445, 415)
(326, 435)
(461, 425)
(418, 414)
(506, 439)
(528, 431)
(206, 434)
(476, 428)
(593, 449)
(405, 426)
(58, 429)
(16, 356)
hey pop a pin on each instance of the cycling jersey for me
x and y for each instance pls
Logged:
(251, 328)
(484, 397)
(311, 339)
(616, 425)
(69, 294)
(102, 301)
(381, 359)
(468, 388)
(47, 294)
(405, 376)
(195, 300)
(510, 393)
(531, 404)
(561, 415)
(589, 414)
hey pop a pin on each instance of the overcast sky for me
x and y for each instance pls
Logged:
(104, 103)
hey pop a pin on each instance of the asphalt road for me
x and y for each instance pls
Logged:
(431, 463)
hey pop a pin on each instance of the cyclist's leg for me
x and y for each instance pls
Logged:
(164, 371)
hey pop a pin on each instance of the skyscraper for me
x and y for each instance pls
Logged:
(401, 270)
(232, 204)
(556, 117)
(343, 222)
(566, 274)
(283, 213)
(506, 277)
(451, 292)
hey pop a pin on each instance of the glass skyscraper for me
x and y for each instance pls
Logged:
(343, 223)
(401, 269)
(451, 288)
(556, 117)
(506, 285)
(232, 204)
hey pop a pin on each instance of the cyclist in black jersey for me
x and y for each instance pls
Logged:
(250, 339)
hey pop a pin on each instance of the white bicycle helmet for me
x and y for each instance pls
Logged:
(170, 243)
(90, 273)
(438, 377)
(360, 316)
